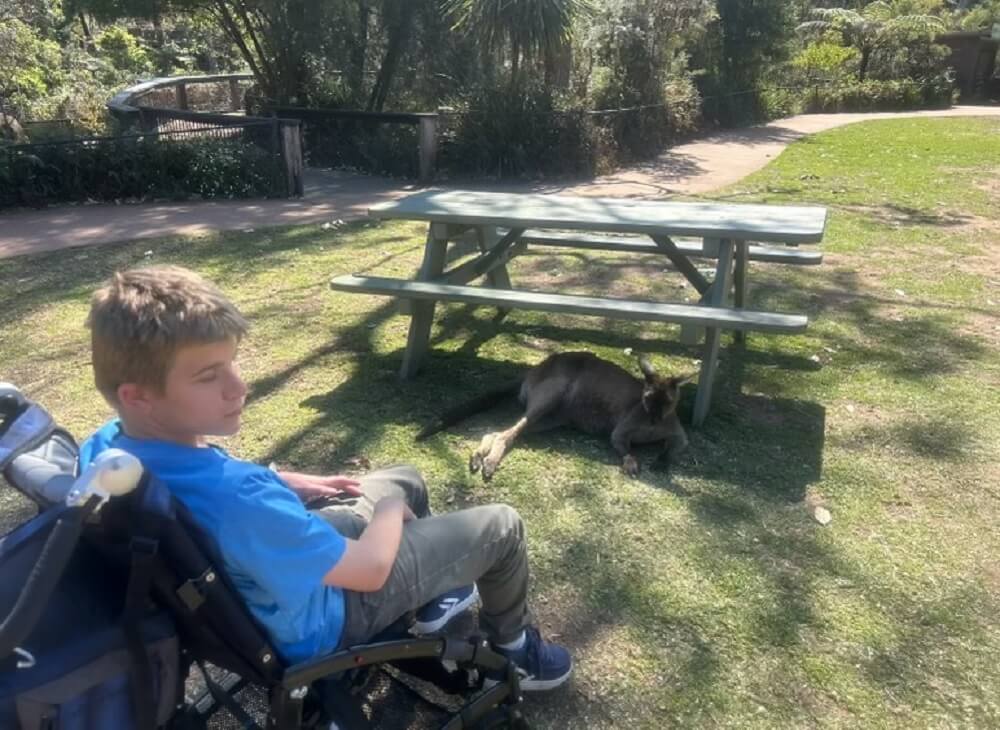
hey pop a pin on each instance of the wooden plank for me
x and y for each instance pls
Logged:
(688, 247)
(486, 238)
(721, 317)
(427, 146)
(682, 262)
(495, 257)
(767, 223)
(710, 356)
(740, 280)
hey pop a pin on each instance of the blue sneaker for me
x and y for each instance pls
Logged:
(436, 614)
(542, 665)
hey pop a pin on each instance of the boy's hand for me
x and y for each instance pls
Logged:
(308, 487)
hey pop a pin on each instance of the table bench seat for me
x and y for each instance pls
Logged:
(690, 314)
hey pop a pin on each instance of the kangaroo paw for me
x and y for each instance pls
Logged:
(485, 446)
(630, 466)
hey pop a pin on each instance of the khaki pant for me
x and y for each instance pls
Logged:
(482, 545)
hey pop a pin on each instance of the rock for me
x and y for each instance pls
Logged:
(822, 515)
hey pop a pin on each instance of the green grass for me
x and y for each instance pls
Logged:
(711, 598)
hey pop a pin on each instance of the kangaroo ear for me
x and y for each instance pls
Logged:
(646, 368)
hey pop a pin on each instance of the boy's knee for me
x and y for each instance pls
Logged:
(506, 519)
(413, 485)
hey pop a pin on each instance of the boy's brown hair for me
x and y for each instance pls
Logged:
(140, 318)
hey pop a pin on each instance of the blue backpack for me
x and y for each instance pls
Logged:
(81, 646)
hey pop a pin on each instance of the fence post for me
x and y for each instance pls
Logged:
(182, 96)
(148, 120)
(234, 95)
(428, 146)
(291, 153)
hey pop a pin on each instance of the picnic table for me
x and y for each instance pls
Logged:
(500, 226)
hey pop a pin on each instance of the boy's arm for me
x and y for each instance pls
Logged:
(367, 562)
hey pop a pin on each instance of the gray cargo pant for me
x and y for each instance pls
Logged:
(437, 553)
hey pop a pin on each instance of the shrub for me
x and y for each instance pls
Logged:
(136, 169)
(374, 147)
(516, 133)
(875, 95)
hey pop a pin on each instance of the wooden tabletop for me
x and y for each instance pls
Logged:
(740, 221)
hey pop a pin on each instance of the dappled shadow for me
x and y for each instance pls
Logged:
(939, 438)
(37, 281)
(913, 346)
(893, 214)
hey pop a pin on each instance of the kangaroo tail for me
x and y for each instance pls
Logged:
(469, 408)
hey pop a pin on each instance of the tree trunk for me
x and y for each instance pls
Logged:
(515, 63)
(399, 35)
(359, 51)
(866, 54)
(85, 27)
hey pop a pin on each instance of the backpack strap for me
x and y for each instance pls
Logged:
(143, 548)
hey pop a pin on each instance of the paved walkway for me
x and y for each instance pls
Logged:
(695, 167)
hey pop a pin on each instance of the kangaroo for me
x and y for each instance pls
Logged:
(593, 395)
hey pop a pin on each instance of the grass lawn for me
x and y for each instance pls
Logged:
(710, 598)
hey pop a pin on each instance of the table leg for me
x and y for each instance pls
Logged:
(709, 358)
(435, 251)
(489, 236)
(740, 281)
(498, 277)
(692, 334)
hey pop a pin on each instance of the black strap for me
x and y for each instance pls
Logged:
(143, 552)
(222, 697)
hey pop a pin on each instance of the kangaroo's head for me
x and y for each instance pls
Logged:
(660, 394)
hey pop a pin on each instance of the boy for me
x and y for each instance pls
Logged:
(164, 345)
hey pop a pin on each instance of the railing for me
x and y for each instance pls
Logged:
(285, 134)
(321, 124)
(144, 107)
(126, 103)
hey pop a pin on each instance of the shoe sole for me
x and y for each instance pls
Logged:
(430, 627)
(535, 685)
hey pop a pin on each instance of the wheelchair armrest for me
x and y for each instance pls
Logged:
(305, 673)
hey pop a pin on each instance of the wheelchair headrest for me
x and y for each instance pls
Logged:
(36, 457)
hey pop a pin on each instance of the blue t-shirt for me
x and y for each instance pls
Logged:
(275, 550)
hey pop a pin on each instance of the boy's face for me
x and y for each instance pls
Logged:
(204, 395)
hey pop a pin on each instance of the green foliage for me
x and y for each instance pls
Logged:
(777, 102)
(135, 169)
(983, 15)
(826, 60)
(30, 65)
(123, 50)
(503, 132)
(882, 95)
(527, 27)
(376, 148)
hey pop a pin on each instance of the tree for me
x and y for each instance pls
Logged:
(526, 27)
(877, 26)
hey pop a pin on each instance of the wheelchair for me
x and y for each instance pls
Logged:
(112, 597)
